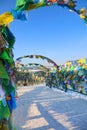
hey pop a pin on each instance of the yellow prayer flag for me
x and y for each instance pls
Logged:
(6, 18)
(68, 63)
(83, 60)
(82, 16)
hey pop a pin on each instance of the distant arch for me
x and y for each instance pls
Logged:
(38, 56)
(29, 65)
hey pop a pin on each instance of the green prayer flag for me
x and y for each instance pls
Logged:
(8, 36)
(3, 72)
(4, 55)
(20, 2)
(4, 111)
(29, 4)
(8, 88)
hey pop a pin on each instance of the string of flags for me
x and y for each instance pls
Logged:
(23, 6)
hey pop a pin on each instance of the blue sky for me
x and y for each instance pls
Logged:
(53, 31)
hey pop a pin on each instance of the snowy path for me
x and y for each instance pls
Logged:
(42, 108)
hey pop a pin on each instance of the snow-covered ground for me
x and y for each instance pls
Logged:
(72, 94)
(44, 108)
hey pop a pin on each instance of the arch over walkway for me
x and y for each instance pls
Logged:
(39, 56)
(29, 65)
